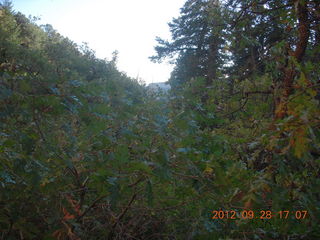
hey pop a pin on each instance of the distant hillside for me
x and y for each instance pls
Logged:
(161, 85)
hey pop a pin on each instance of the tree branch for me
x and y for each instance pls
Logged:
(91, 206)
(110, 236)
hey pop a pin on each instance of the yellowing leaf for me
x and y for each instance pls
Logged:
(299, 142)
(311, 92)
(208, 171)
(67, 215)
(248, 204)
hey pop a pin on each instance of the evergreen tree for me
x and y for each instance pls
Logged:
(197, 40)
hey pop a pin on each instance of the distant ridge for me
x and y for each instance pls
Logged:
(164, 86)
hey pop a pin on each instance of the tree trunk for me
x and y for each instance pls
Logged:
(301, 45)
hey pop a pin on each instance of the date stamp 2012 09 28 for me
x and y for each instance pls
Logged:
(262, 214)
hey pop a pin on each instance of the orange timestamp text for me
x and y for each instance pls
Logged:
(262, 214)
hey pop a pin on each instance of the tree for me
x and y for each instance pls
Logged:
(197, 40)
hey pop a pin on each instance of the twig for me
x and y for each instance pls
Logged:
(240, 108)
(304, 91)
(35, 119)
(137, 182)
(91, 206)
(258, 92)
(186, 176)
(121, 216)
(270, 10)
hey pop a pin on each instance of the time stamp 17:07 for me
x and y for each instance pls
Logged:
(262, 214)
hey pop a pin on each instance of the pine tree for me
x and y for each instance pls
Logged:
(197, 39)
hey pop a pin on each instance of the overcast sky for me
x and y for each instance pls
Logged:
(129, 26)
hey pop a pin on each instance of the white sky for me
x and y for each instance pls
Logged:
(129, 26)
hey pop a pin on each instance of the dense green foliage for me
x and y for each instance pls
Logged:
(89, 153)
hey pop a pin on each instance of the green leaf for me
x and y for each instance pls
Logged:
(4, 92)
(139, 166)
(122, 154)
(149, 193)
